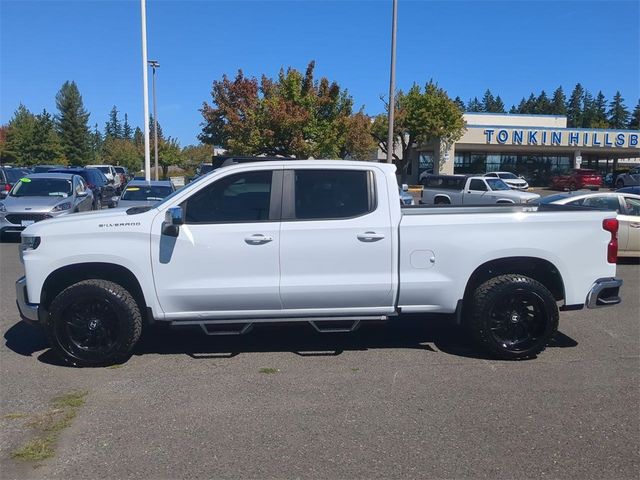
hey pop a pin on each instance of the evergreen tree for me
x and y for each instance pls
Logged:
(531, 105)
(45, 145)
(543, 104)
(513, 109)
(618, 113)
(498, 106)
(127, 131)
(474, 105)
(574, 107)
(151, 132)
(458, 101)
(522, 106)
(634, 123)
(113, 127)
(96, 143)
(588, 110)
(600, 112)
(20, 132)
(71, 124)
(138, 138)
(558, 103)
(488, 101)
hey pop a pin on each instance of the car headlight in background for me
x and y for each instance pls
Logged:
(61, 207)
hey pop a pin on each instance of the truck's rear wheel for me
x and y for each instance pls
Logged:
(441, 201)
(94, 323)
(513, 317)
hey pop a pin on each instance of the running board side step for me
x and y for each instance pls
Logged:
(245, 325)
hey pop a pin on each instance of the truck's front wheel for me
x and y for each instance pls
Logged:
(94, 323)
(513, 317)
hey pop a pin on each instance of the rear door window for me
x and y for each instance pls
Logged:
(333, 194)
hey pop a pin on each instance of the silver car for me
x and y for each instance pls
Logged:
(43, 195)
(139, 193)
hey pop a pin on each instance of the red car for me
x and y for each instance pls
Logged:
(577, 179)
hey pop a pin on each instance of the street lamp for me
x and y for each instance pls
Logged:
(154, 64)
(392, 83)
(145, 90)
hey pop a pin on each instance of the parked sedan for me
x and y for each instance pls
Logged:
(515, 182)
(40, 196)
(627, 205)
(576, 179)
(141, 193)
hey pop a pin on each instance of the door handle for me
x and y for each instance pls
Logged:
(370, 236)
(258, 239)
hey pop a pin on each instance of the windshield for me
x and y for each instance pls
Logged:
(497, 184)
(508, 176)
(15, 174)
(104, 169)
(42, 187)
(145, 193)
(119, 169)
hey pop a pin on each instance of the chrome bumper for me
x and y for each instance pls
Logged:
(28, 311)
(604, 293)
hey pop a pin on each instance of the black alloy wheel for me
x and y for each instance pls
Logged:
(512, 316)
(94, 323)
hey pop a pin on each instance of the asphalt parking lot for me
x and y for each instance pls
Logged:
(402, 400)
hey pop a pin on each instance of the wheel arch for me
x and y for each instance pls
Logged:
(68, 275)
(442, 196)
(536, 268)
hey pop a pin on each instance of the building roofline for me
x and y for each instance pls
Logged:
(532, 127)
(516, 114)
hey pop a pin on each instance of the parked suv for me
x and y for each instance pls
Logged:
(577, 179)
(110, 172)
(9, 176)
(629, 179)
(104, 194)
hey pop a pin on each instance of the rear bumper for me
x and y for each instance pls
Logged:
(28, 311)
(604, 293)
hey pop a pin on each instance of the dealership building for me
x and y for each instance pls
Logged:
(534, 146)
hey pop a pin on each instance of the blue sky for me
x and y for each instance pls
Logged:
(512, 48)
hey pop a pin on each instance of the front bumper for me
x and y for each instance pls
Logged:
(28, 311)
(604, 293)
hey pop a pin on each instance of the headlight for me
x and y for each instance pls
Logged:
(2, 207)
(29, 243)
(61, 207)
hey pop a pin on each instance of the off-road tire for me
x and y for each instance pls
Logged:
(483, 305)
(126, 328)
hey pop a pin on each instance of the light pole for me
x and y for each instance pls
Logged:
(145, 91)
(154, 64)
(392, 83)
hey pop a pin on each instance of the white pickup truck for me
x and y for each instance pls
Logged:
(470, 190)
(320, 241)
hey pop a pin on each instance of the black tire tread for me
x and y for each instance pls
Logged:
(126, 300)
(477, 324)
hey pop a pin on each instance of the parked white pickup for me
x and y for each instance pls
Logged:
(320, 241)
(469, 190)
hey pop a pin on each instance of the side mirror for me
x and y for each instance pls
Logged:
(84, 193)
(173, 218)
(405, 187)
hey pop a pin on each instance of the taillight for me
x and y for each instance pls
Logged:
(611, 225)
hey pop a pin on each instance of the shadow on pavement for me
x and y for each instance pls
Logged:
(429, 335)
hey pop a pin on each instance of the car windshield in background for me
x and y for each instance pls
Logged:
(104, 169)
(142, 193)
(14, 174)
(42, 187)
(508, 176)
(119, 169)
(497, 184)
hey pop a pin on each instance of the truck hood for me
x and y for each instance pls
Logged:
(91, 222)
(515, 195)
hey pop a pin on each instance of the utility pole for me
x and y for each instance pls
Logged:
(145, 82)
(392, 83)
(154, 64)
